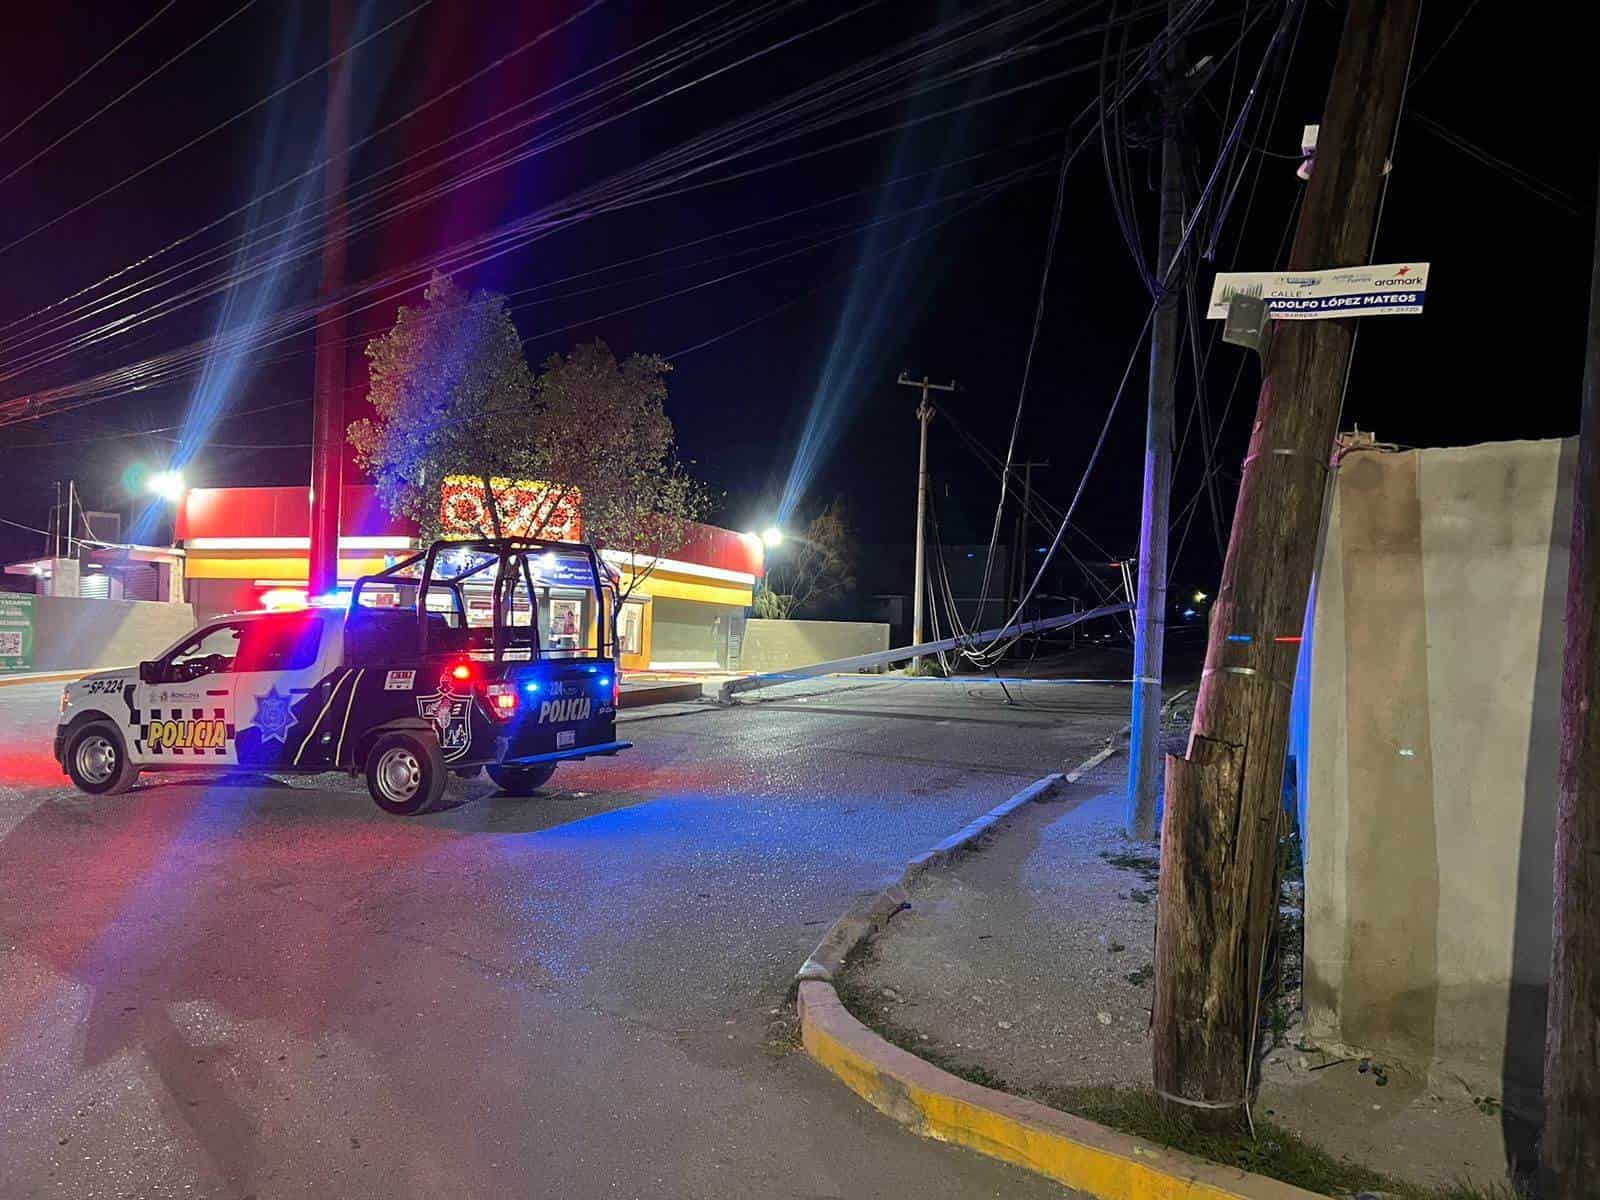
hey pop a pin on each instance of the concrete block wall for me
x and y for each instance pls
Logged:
(1435, 679)
(71, 631)
(780, 645)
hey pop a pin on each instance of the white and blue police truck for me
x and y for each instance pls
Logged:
(494, 654)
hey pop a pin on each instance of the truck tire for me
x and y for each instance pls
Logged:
(521, 781)
(96, 760)
(405, 772)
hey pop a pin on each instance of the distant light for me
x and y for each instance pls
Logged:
(94, 566)
(1199, 597)
(1188, 612)
(1040, 550)
(283, 599)
(772, 536)
(166, 484)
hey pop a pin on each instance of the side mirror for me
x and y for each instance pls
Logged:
(149, 671)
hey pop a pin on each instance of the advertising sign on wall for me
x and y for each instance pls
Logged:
(16, 632)
(526, 509)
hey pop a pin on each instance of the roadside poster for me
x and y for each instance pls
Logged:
(16, 632)
(1396, 289)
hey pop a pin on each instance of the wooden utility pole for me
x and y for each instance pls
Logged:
(924, 415)
(327, 424)
(1150, 606)
(1219, 834)
(1571, 1142)
(1020, 568)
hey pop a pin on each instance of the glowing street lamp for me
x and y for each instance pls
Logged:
(772, 537)
(166, 484)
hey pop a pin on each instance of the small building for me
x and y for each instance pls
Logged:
(686, 611)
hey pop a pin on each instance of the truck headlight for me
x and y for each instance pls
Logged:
(66, 699)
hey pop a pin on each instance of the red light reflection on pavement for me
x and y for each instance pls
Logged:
(29, 768)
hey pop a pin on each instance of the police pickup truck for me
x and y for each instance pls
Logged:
(496, 653)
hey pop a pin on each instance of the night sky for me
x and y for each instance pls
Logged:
(944, 284)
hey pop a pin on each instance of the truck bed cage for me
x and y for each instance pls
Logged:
(420, 571)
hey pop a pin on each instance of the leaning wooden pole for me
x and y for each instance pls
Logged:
(1219, 831)
(1571, 1141)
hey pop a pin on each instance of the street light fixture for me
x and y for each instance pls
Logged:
(166, 484)
(772, 537)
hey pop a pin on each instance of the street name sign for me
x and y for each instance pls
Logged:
(1396, 289)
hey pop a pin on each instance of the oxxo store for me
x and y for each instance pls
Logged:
(246, 548)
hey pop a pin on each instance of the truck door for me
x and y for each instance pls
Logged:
(186, 719)
(281, 685)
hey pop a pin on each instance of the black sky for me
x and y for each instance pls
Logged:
(1497, 355)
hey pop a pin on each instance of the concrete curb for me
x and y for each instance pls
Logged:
(48, 676)
(937, 1104)
(1068, 1149)
(870, 917)
(659, 693)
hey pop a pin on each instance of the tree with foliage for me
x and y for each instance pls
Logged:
(453, 396)
(617, 452)
(810, 568)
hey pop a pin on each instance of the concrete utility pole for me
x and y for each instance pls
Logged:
(327, 428)
(924, 415)
(1020, 568)
(1150, 606)
(1571, 1141)
(1219, 834)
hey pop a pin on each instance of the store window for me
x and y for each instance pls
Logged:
(630, 628)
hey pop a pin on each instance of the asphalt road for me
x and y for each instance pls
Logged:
(264, 990)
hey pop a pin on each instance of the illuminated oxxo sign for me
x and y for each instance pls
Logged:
(526, 509)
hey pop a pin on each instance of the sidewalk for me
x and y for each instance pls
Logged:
(1028, 966)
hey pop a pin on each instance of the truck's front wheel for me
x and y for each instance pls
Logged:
(96, 759)
(522, 781)
(405, 773)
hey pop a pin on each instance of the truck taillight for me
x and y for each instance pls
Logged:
(500, 697)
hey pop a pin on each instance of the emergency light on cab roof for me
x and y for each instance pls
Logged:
(404, 679)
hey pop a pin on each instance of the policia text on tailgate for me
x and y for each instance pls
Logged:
(497, 653)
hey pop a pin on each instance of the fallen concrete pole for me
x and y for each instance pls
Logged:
(883, 658)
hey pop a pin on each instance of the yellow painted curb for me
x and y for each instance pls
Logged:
(47, 677)
(1068, 1149)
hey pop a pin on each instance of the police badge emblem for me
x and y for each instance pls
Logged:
(451, 716)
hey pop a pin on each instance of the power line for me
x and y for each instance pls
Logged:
(104, 108)
(198, 138)
(89, 70)
(510, 236)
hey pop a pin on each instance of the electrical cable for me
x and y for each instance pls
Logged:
(121, 96)
(92, 67)
(478, 250)
(198, 138)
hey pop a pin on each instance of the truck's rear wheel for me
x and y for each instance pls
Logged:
(522, 781)
(96, 759)
(405, 773)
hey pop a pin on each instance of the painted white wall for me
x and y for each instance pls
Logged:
(1433, 733)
